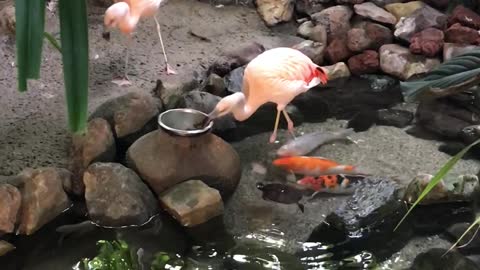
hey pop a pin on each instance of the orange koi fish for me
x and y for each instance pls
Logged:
(315, 166)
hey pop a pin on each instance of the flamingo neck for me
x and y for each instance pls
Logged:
(128, 23)
(242, 110)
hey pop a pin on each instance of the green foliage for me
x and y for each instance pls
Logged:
(164, 260)
(115, 255)
(455, 75)
(30, 24)
(438, 177)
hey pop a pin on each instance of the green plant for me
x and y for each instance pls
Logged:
(114, 255)
(453, 76)
(30, 22)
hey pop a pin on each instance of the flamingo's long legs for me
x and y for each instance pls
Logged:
(125, 80)
(291, 128)
(169, 69)
(273, 137)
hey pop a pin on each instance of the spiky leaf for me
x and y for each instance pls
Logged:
(74, 40)
(438, 177)
(29, 28)
(453, 76)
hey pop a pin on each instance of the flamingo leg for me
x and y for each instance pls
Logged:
(291, 128)
(273, 137)
(169, 69)
(125, 81)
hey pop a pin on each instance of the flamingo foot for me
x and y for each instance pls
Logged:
(170, 70)
(273, 137)
(122, 81)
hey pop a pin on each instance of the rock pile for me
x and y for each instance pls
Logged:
(399, 38)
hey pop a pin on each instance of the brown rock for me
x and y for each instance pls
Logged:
(338, 71)
(116, 196)
(192, 202)
(43, 197)
(5, 247)
(461, 34)
(373, 12)
(366, 62)
(314, 50)
(10, 201)
(400, 10)
(275, 11)
(305, 29)
(465, 17)
(428, 42)
(337, 51)
(164, 160)
(336, 20)
(309, 7)
(96, 145)
(233, 59)
(215, 85)
(370, 36)
(319, 34)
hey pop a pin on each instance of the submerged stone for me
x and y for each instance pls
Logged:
(164, 160)
(394, 117)
(116, 196)
(192, 202)
(5, 247)
(43, 197)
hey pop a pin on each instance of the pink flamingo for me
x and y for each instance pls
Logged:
(277, 75)
(125, 15)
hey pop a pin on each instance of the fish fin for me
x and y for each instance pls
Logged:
(302, 207)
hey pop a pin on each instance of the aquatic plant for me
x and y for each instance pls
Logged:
(30, 24)
(114, 255)
(446, 168)
(452, 76)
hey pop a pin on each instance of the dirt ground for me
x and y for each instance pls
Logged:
(33, 128)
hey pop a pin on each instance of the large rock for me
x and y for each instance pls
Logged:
(439, 259)
(275, 11)
(337, 71)
(234, 80)
(465, 16)
(451, 50)
(43, 197)
(192, 202)
(314, 50)
(428, 42)
(305, 29)
(400, 62)
(366, 62)
(206, 102)
(394, 118)
(368, 216)
(10, 201)
(164, 160)
(116, 196)
(235, 58)
(336, 20)
(400, 10)
(371, 11)
(96, 145)
(421, 19)
(337, 51)
(130, 115)
(462, 35)
(215, 85)
(368, 36)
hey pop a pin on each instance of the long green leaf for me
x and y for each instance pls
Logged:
(476, 222)
(29, 26)
(438, 177)
(53, 41)
(449, 75)
(74, 39)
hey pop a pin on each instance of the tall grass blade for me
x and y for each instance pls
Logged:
(438, 177)
(74, 40)
(476, 222)
(29, 26)
(53, 41)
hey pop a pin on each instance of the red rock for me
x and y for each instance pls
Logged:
(428, 42)
(366, 62)
(337, 51)
(10, 201)
(465, 17)
(461, 34)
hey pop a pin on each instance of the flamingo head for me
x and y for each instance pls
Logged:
(229, 104)
(116, 15)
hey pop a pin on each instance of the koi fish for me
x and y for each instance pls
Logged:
(307, 143)
(282, 193)
(315, 166)
(335, 184)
